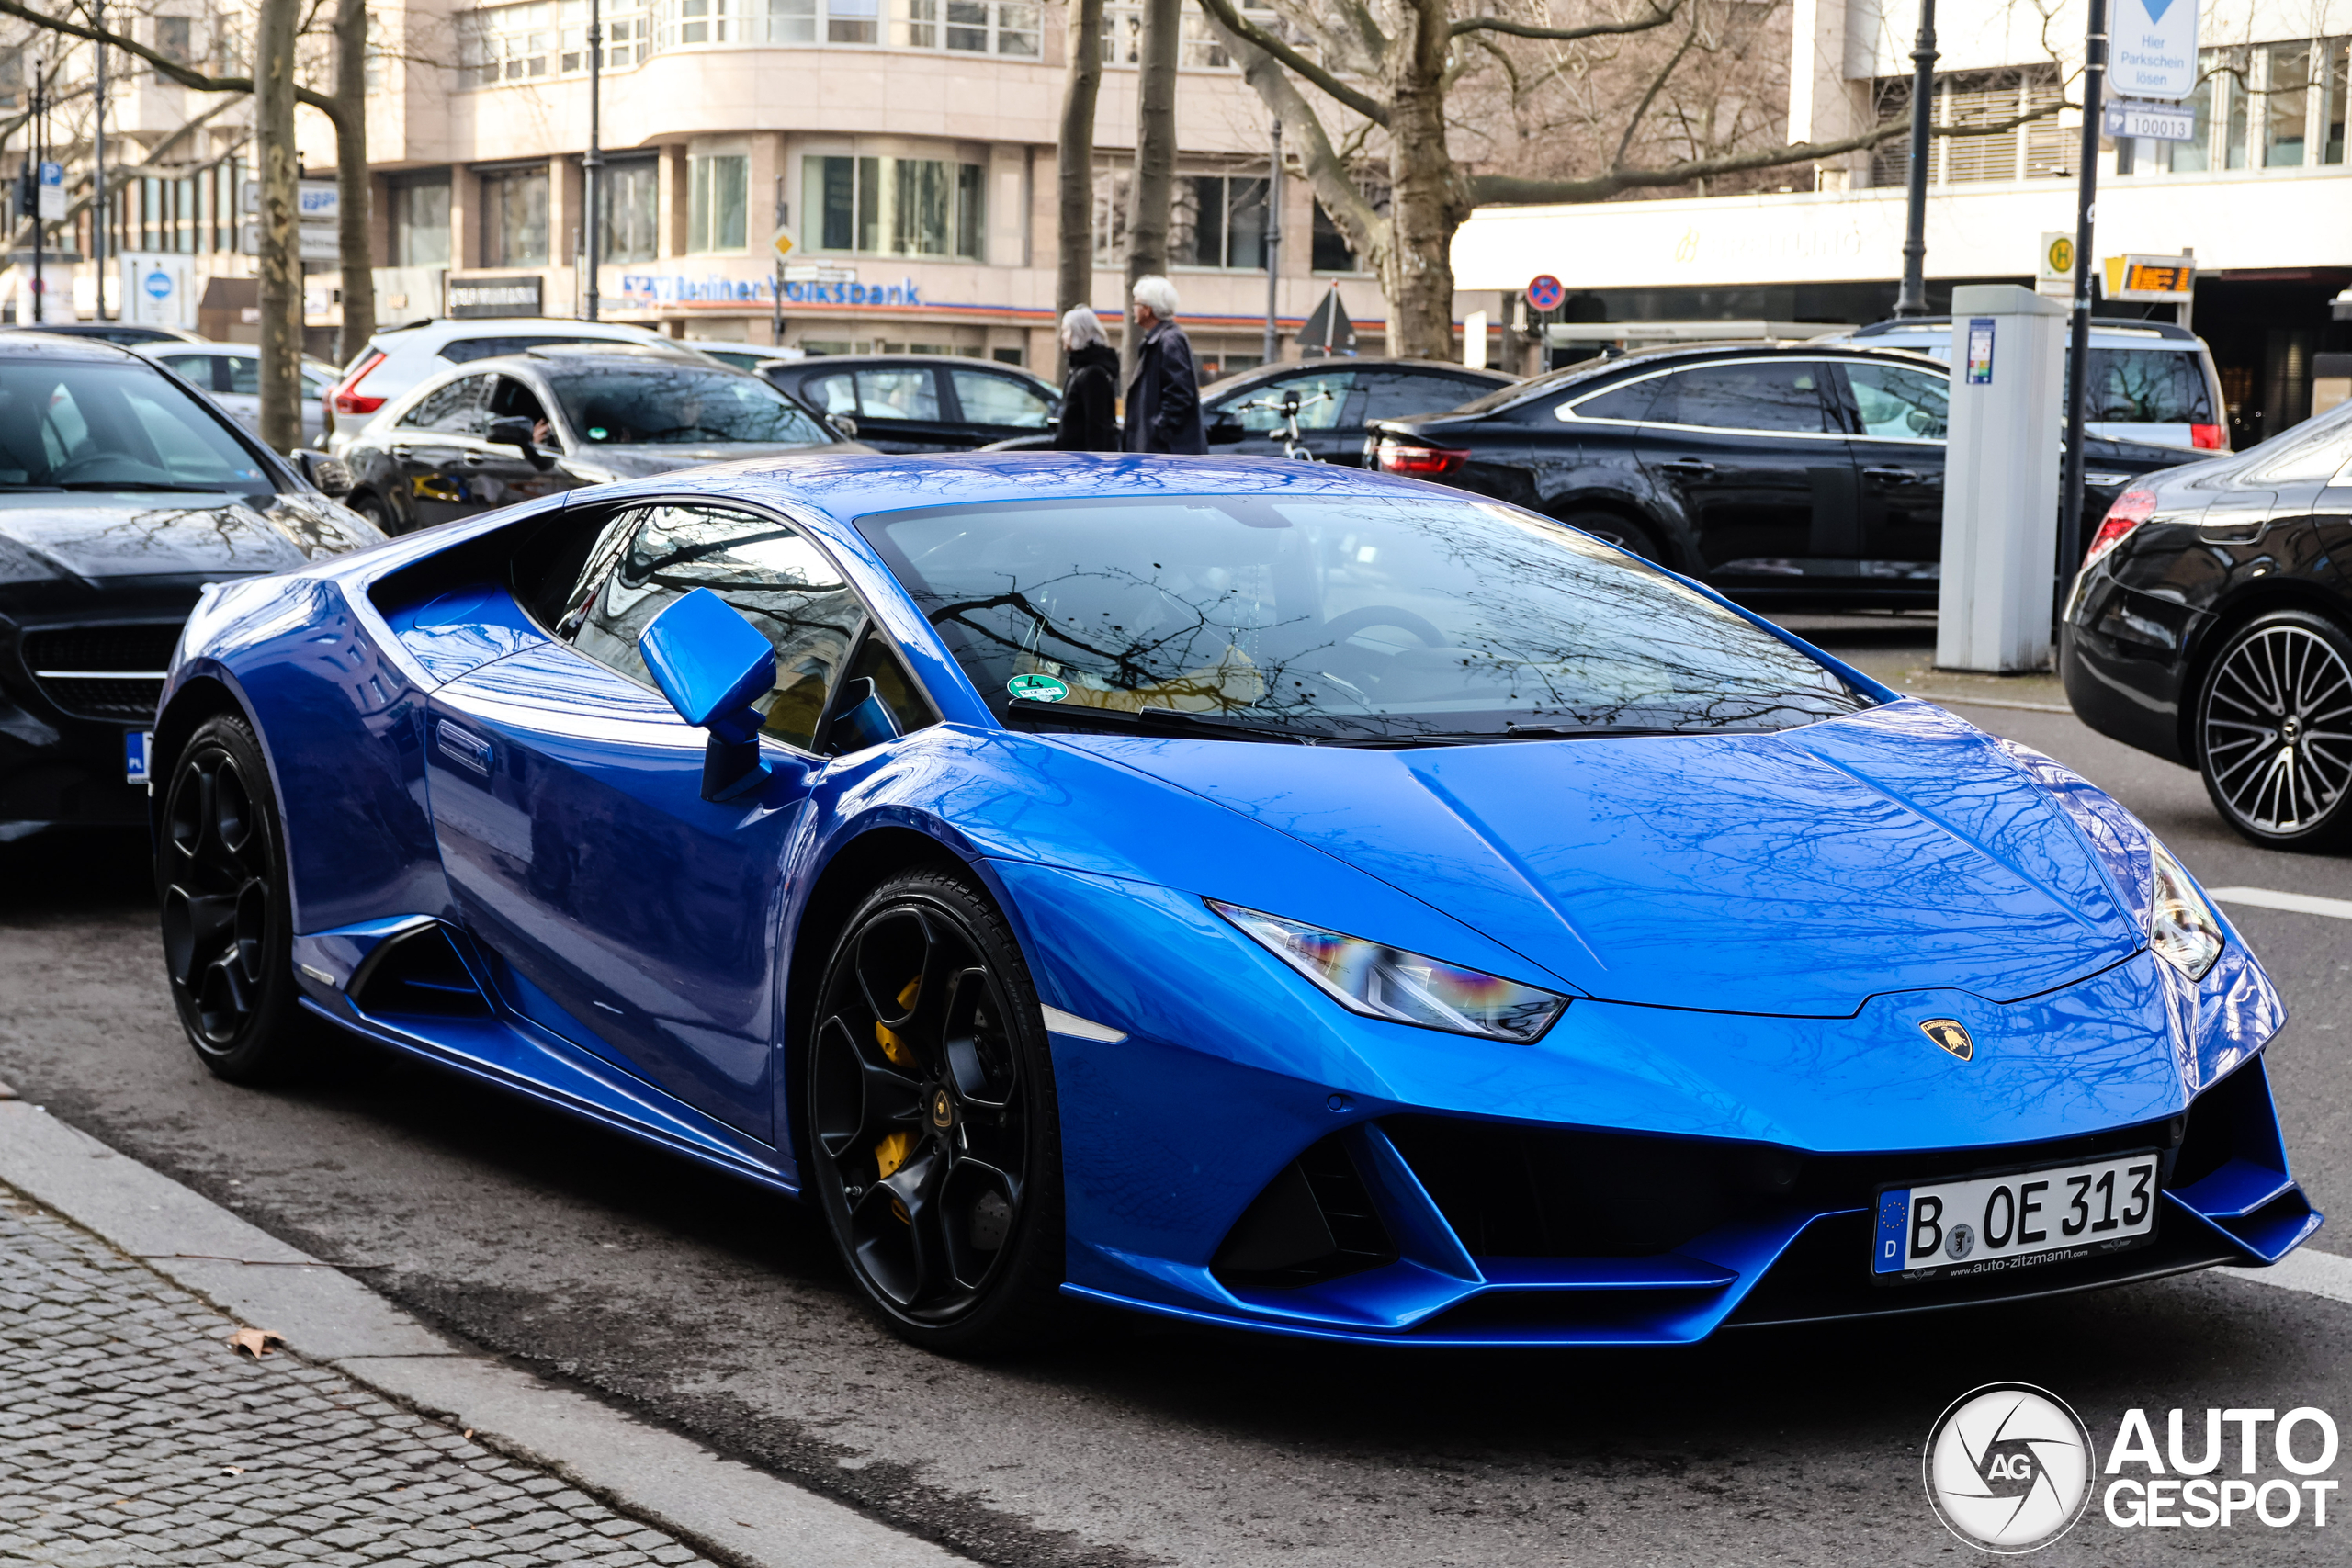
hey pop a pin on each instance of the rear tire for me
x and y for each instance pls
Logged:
(373, 508)
(228, 925)
(934, 1138)
(1624, 532)
(2274, 732)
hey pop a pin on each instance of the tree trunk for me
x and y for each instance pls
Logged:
(1428, 199)
(351, 178)
(1074, 274)
(281, 267)
(1163, 26)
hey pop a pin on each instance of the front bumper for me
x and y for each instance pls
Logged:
(1248, 1156)
(74, 680)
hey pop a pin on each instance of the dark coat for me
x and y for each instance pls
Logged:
(1089, 402)
(1164, 395)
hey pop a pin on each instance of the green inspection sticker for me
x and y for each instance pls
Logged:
(1037, 688)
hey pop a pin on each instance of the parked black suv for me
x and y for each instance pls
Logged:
(1811, 472)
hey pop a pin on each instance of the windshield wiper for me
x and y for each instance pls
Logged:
(1578, 731)
(1026, 714)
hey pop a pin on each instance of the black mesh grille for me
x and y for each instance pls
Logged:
(1314, 1222)
(96, 671)
(105, 698)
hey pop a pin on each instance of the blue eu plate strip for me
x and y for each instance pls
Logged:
(135, 743)
(1894, 1211)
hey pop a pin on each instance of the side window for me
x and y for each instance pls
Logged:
(1000, 400)
(511, 399)
(905, 392)
(1773, 395)
(557, 568)
(1892, 400)
(766, 569)
(1631, 402)
(201, 370)
(453, 410)
(1322, 399)
(1394, 394)
(833, 394)
(240, 374)
(878, 662)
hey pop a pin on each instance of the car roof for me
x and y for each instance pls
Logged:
(444, 328)
(856, 361)
(21, 341)
(2165, 329)
(1350, 362)
(1617, 367)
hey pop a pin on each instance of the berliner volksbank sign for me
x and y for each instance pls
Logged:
(2153, 48)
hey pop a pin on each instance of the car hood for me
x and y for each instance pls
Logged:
(1796, 873)
(98, 534)
(631, 462)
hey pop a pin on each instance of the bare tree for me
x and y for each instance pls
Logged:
(1074, 274)
(1155, 178)
(351, 184)
(1388, 72)
(275, 27)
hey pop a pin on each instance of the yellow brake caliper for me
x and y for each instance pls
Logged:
(892, 1150)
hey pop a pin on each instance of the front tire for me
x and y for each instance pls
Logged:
(933, 1136)
(375, 511)
(227, 924)
(2274, 732)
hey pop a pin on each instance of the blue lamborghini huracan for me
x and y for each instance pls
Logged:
(1258, 892)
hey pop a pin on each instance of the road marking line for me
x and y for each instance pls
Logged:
(2313, 1273)
(2300, 903)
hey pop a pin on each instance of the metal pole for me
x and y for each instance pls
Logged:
(98, 163)
(1273, 251)
(40, 156)
(2078, 334)
(592, 166)
(1913, 298)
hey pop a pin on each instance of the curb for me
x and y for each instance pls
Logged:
(719, 1507)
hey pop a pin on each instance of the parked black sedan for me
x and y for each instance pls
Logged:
(492, 432)
(123, 492)
(1803, 473)
(1338, 401)
(2212, 626)
(921, 402)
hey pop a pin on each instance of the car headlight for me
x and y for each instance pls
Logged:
(2180, 928)
(1380, 981)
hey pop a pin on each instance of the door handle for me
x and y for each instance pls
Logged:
(1689, 467)
(462, 747)
(1892, 475)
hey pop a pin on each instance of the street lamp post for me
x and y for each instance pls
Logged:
(40, 156)
(2078, 329)
(1274, 249)
(592, 166)
(1912, 299)
(99, 162)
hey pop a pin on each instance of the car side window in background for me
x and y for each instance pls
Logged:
(465, 350)
(766, 569)
(454, 409)
(878, 662)
(1893, 400)
(833, 394)
(1631, 402)
(1394, 394)
(905, 392)
(1322, 401)
(1770, 395)
(558, 569)
(1000, 400)
(205, 370)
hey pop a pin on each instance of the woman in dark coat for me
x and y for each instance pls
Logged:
(1090, 398)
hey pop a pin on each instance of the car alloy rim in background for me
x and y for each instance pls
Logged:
(2278, 730)
(919, 1110)
(216, 895)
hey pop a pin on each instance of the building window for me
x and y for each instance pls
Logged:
(515, 218)
(900, 207)
(12, 79)
(628, 34)
(718, 199)
(2336, 83)
(2287, 104)
(1200, 46)
(1332, 252)
(974, 26)
(506, 43)
(420, 214)
(629, 197)
(176, 39)
(2041, 149)
(1219, 221)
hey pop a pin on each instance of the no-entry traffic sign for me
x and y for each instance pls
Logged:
(1545, 293)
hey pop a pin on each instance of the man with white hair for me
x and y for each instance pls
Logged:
(1163, 395)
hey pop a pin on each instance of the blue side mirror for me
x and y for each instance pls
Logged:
(713, 665)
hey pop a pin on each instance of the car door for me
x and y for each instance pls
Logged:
(1750, 452)
(622, 910)
(430, 448)
(899, 408)
(993, 406)
(1248, 420)
(1900, 417)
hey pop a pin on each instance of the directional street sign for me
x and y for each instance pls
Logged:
(2152, 51)
(1545, 293)
(2158, 122)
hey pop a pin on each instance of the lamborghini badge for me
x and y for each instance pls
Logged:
(1948, 1033)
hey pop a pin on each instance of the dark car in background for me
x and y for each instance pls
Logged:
(493, 432)
(921, 402)
(2211, 625)
(1339, 399)
(1808, 473)
(123, 492)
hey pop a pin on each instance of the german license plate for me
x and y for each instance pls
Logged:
(136, 743)
(1989, 1224)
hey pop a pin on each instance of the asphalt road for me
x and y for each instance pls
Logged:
(720, 1310)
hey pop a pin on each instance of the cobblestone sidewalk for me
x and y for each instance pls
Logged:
(131, 1433)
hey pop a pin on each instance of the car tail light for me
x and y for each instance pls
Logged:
(345, 396)
(2206, 438)
(2130, 510)
(1421, 462)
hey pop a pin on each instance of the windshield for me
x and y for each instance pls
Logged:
(1374, 619)
(100, 426)
(680, 405)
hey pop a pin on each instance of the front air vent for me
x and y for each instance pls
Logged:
(1314, 1222)
(417, 974)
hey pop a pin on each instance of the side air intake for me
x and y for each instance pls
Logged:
(418, 974)
(1314, 1222)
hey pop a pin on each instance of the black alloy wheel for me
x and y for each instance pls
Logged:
(375, 512)
(2274, 732)
(1619, 531)
(934, 1140)
(221, 879)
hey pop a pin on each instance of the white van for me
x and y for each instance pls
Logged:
(2151, 381)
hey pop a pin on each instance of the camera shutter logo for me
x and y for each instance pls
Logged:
(2008, 1468)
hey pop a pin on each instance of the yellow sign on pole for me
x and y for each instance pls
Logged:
(2155, 280)
(2053, 267)
(782, 242)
